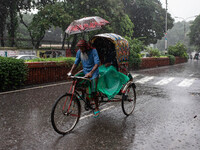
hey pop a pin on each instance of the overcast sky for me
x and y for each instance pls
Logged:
(182, 8)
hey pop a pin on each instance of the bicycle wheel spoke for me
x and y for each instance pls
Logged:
(65, 114)
(128, 100)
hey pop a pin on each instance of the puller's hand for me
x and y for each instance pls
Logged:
(88, 75)
(69, 74)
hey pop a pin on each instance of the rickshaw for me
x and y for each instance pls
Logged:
(66, 111)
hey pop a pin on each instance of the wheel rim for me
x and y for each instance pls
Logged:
(64, 117)
(129, 101)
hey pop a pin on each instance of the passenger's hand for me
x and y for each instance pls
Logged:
(88, 75)
(107, 64)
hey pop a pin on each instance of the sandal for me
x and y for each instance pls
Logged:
(96, 113)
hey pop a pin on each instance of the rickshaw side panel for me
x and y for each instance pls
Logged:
(122, 51)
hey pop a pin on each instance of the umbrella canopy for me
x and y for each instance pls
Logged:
(86, 24)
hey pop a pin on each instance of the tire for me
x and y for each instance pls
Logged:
(129, 100)
(62, 121)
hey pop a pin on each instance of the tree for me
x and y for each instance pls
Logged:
(51, 15)
(3, 16)
(8, 13)
(175, 35)
(40, 22)
(178, 50)
(194, 35)
(12, 25)
(13, 8)
(135, 46)
(111, 10)
(148, 17)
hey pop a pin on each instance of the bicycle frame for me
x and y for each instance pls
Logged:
(73, 89)
(82, 97)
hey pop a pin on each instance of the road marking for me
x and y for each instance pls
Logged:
(186, 82)
(164, 81)
(145, 79)
(191, 75)
(86, 116)
(134, 75)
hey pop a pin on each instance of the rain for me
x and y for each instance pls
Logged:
(144, 53)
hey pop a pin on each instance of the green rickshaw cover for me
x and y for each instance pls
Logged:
(110, 81)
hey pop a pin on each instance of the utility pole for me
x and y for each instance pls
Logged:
(166, 28)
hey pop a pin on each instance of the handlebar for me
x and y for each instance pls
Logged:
(77, 77)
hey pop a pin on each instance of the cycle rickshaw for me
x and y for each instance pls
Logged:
(67, 109)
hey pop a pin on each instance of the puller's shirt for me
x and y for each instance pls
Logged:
(88, 64)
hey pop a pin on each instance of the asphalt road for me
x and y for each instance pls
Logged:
(167, 116)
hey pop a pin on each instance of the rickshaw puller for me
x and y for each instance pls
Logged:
(90, 61)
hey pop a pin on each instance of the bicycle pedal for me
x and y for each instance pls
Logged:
(86, 107)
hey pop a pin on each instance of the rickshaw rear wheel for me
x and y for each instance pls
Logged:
(129, 100)
(65, 113)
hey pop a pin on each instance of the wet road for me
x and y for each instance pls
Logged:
(167, 116)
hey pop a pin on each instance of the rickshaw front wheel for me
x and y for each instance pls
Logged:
(129, 100)
(65, 113)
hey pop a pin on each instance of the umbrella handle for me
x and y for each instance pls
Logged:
(83, 34)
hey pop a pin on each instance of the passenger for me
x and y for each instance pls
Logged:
(90, 61)
(110, 56)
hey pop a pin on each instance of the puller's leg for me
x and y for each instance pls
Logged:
(95, 97)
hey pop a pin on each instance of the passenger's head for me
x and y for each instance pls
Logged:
(82, 44)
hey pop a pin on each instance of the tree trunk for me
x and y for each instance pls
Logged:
(13, 23)
(74, 45)
(63, 42)
(37, 45)
(2, 37)
(29, 31)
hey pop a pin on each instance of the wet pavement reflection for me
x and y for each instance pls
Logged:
(166, 116)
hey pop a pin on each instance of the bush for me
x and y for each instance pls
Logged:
(59, 59)
(135, 60)
(153, 52)
(68, 60)
(135, 46)
(178, 50)
(171, 59)
(13, 73)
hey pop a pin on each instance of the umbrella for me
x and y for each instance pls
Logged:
(86, 24)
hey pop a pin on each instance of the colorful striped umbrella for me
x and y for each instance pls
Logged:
(86, 24)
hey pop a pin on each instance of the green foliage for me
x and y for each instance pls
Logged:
(195, 33)
(138, 18)
(126, 26)
(135, 46)
(172, 59)
(135, 60)
(13, 73)
(178, 50)
(148, 17)
(153, 52)
(69, 60)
